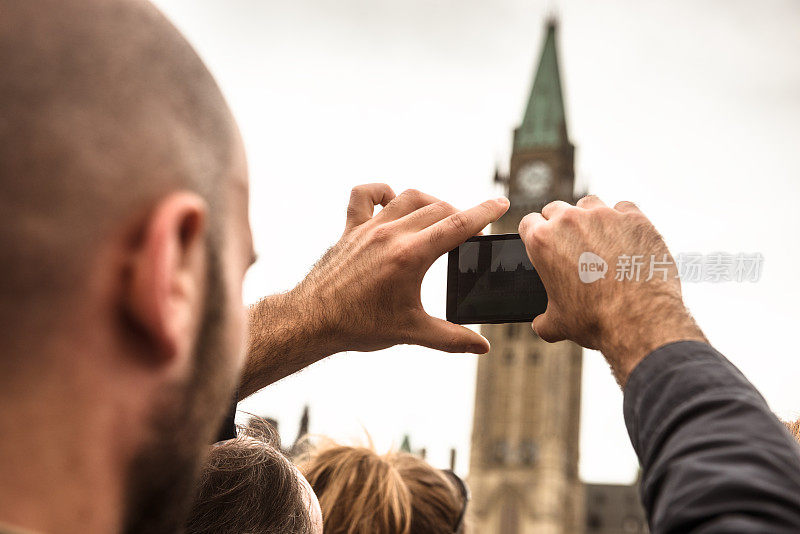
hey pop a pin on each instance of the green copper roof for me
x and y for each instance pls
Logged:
(406, 445)
(544, 124)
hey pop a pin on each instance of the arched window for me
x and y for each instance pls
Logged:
(499, 451)
(528, 451)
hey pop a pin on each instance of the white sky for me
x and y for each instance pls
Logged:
(689, 108)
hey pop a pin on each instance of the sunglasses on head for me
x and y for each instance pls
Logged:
(463, 491)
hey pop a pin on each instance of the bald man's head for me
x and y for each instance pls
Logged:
(123, 243)
(104, 108)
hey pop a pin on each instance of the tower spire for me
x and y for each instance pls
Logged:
(544, 123)
(523, 451)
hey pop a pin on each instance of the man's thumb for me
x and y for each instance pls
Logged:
(546, 328)
(449, 337)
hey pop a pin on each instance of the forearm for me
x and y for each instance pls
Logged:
(364, 293)
(286, 333)
(631, 332)
(714, 458)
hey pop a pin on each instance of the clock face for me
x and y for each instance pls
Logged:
(535, 178)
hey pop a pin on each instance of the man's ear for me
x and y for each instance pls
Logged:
(168, 276)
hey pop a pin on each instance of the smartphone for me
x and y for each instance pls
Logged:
(491, 280)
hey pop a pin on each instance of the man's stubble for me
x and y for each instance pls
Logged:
(162, 477)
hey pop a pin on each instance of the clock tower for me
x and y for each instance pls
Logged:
(524, 460)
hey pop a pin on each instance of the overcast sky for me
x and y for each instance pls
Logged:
(689, 108)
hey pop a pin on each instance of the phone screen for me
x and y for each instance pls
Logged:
(491, 280)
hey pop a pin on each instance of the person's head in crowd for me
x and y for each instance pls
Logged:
(124, 238)
(248, 485)
(361, 492)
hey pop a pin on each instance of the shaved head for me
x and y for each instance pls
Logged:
(123, 242)
(104, 108)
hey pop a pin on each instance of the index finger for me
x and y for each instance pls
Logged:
(529, 222)
(447, 234)
(554, 208)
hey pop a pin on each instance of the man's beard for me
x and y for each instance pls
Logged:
(162, 476)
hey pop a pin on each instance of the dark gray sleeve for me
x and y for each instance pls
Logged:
(714, 458)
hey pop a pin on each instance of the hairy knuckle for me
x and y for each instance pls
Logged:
(570, 217)
(550, 206)
(603, 212)
(412, 194)
(404, 257)
(540, 235)
(602, 217)
(444, 207)
(437, 234)
(525, 224)
(407, 250)
(382, 234)
(459, 222)
(636, 218)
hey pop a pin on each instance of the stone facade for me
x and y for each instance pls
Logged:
(525, 437)
(614, 509)
(524, 464)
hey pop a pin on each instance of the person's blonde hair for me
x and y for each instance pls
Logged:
(361, 492)
(794, 428)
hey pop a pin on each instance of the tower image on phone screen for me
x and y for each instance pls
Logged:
(491, 280)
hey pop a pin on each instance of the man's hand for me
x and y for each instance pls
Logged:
(364, 293)
(367, 286)
(625, 320)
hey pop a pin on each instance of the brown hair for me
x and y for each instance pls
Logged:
(794, 428)
(361, 492)
(247, 485)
